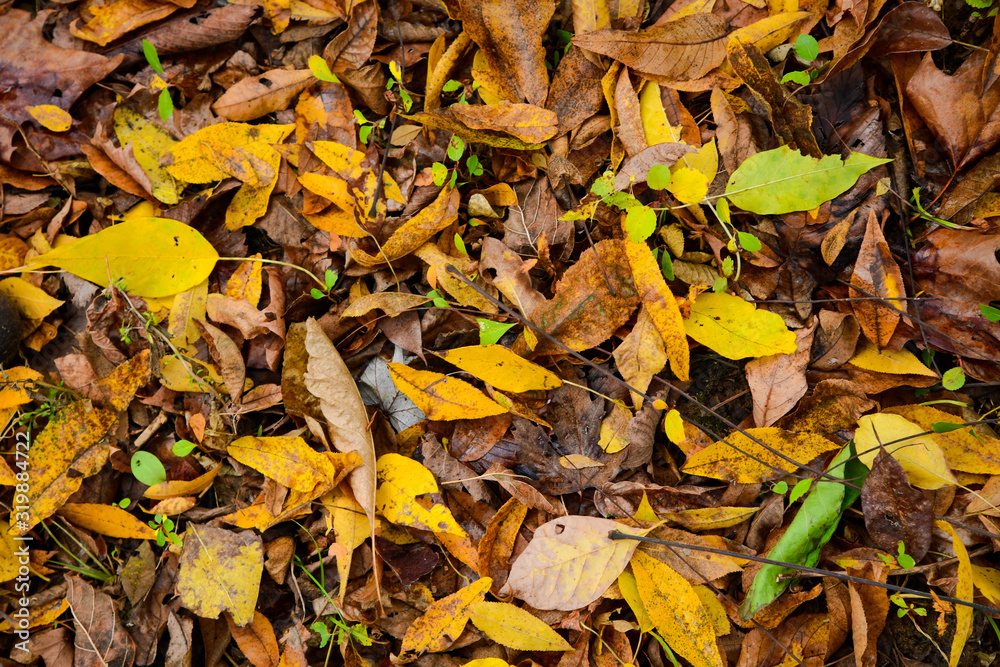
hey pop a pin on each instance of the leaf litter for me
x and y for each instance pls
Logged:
(495, 333)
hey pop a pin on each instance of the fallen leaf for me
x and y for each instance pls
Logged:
(220, 571)
(499, 367)
(660, 305)
(877, 275)
(100, 637)
(516, 628)
(735, 329)
(443, 621)
(256, 639)
(402, 482)
(292, 462)
(778, 381)
(963, 591)
(965, 450)
(106, 520)
(441, 397)
(921, 457)
(894, 511)
(258, 96)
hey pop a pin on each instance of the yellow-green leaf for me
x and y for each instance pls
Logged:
(919, 455)
(32, 302)
(739, 459)
(736, 329)
(497, 366)
(516, 628)
(172, 257)
(688, 185)
(443, 398)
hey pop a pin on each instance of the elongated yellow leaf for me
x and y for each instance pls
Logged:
(630, 591)
(964, 449)
(443, 621)
(291, 462)
(171, 257)
(739, 459)
(677, 611)
(51, 117)
(149, 144)
(107, 520)
(921, 457)
(903, 362)
(987, 580)
(569, 563)
(771, 31)
(735, 329)
(443, 398)
(401, 481)
(499, 367)
(516, 628)
(963, 591)
(661, 306)
(34, 303)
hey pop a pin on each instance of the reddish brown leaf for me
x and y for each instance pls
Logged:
(877, 275)
(894, 511)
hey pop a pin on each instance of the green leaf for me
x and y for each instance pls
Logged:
(801, 544)
(451, 86)
(720, 284)
(640, 223)
(953, 379)
(667, 266)
(945, 427)
(781, 488)
(905, 561)
(807, 48)
(749, 242)
(727, 266)
(460, 244)
(440, 173)
(474, 166)
(330, 279)
(148, 469)
(989, 312)
(801, 78)
(320, 70)
(491, 332)
(365, 133)
(165, 105)
(456, 147)
(603, 186)
(438, 300)
(658, 177)
(784, 181)
(800, 489)
(124, 503)
(183, 447)
(152, 57)
(316, 294)
(360, 117)
(722, 209)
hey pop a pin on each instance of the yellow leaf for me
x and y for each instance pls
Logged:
(498, 366)
(921, 457)
(172, 257)
(291, 462)
(443, 621)
(578, 462)
(715, 610)
(8, 553)
(645, 511)
(516, 628)
(569, 563)
(443, 398)
(245, 283)
(630, 591)
(704, 161)
(393, 303)
(201, 157)
(661, 305)
(987, 580)
(107, 520)
(736, 329)
(149, 144)
(711, 518)
(655, 125)
(963, 591)
(41, 615)
(32, 302)
(434, 217)
(351, 528)
(487, 662)
(688, 185)
(677, 611)
(51, 117)
(904, 362)
(965, 451)
(771, 31)
(176, 488)
(220, 571)
(113, 19)
(402, 481)
(673, 426)
(187, 307)
(187, 374)
(250, 202)
(342, 159)
(614, 429)
(70, 448)
(739, 459)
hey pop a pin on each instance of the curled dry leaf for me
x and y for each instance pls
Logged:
(258, 96)
(877, 275)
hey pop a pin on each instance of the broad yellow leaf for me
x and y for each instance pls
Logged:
(220, 571)
(904, 362)
(630, 591)
(987, 580)
(33, 302)
(443, 398)
(107, 520)
(149, 144)
(172, 257)
(715, 610)
(921, 457)
(614, 429)
(963, 591)
(655, 125)
(246, 281)
(51, 117)
(499, 367)
(676, 611)
(688, 185)
(205, 155)
(292, 462)
(401, 481)
(661, 306)
(673, 426)
(431, 219)
(569, 563)
(771, 31)
(250, 202)
(969, 452)
(739, 459)
(443, 621)
(8, 553)
(516, 628)
(736, 329)
(578, 462)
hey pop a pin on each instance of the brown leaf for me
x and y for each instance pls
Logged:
(512, 275)
(510, 34)
(100, 638)
(685, 49)
(629, 130)
(834, 405)
(504, 125)
(350, 49)
(869, 610)
(778, 381)
(258, 96)
(877, 275)
(894, 510)
(497, 544)
(256, 639)
(575, 94)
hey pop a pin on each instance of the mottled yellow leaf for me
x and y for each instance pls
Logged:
(630, 591)
(770, 31)
(676, 611)
(641, 355)
(292, 462)
(661, 305)
(201, 157)
(921, 457)
(443, 621)
(736, 329)
(220, 571)
(739, 459)
(246, 281)
(987, 580)
(51, 117)
(443, 398)
(516, 628)
(614, 429)
(149, 144)
(401, 481)
(8, 553)
(107, 520)
(715, 610)
(711, 518)
(250, 202)
(498, 366)
(963, 591)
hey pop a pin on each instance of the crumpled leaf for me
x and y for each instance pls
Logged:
(292, 462)
(876, 274)
(745, 462)
(569, 563)
(220, 571)
(735, 329)
(149, 144)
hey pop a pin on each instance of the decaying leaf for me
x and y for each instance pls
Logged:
(220, 571)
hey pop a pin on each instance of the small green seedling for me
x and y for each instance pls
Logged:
(953, 379)
(906, 607)
(439, 301)
(182, 448)
(165, 104)
(320, 70)
(904, 559)
(329, 280)
(989, 312)
(781, 488)
(491, 332)
(164, 527)
(367, 126)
